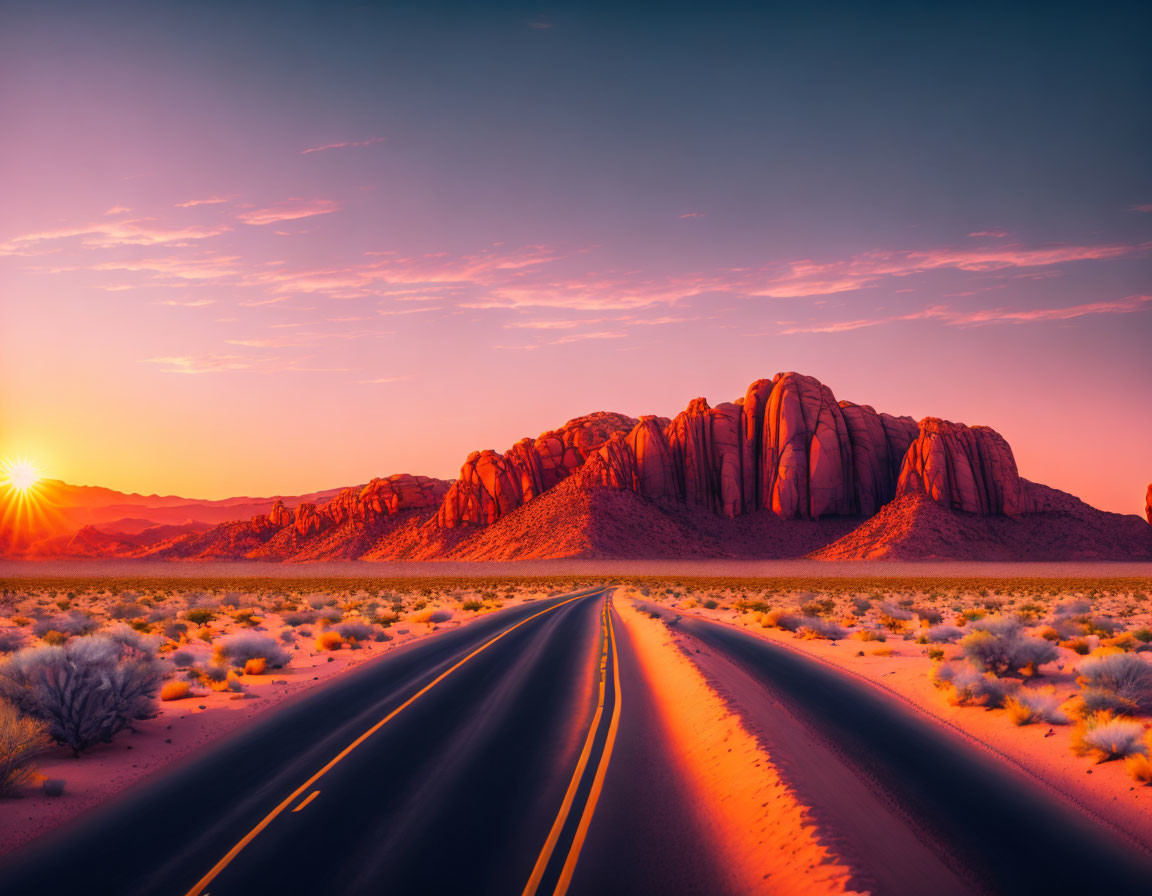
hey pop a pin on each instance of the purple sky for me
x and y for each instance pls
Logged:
(246, 251)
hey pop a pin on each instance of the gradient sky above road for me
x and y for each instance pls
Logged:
(257, 249)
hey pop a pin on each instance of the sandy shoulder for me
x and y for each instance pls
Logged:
(766, 833)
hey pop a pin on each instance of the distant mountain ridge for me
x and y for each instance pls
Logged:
(785, 470)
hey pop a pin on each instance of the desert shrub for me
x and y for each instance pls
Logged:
(74, 623)
(239, 648)
(1142, 634)
(87, 690)
(182, 659)
(200, 615)
(1125, 675)
(299, 617)
(935, 654)
(246, 618)
(213, 674)
(943, 634)
(997, 645)
(432, 616)
(929, 615)
(173, 630)
(329, 615)
(175, 690)
(288, 636)
(868, 634)
(329, 640)
(12, 639)
(1077, 645)
(782, 619)
(359, 631)
(472, 605)
(255, 666)
(1108, 735)
(21, 741)
(125, 611)
(970, 684)
(820, 607)
(882, 651)
(1139, 766)
(1025, 707)
(815, 627)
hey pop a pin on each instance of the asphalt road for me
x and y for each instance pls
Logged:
(521, 754)
(470, 762)
(1007, 834)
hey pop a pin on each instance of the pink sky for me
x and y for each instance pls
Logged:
(213, 288)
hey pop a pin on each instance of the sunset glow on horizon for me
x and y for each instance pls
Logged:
(236, 261)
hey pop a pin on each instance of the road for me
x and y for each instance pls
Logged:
(521, 754)
(1001, 832)
(498, 758)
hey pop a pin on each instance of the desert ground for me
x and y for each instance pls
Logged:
(726, 698)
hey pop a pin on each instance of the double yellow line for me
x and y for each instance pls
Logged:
(207, 879)
(578, 838)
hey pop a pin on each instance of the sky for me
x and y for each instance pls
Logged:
(272, 248)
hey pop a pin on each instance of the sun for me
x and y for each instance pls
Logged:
(20, 475)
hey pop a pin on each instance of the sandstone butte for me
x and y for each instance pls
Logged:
(787, 446)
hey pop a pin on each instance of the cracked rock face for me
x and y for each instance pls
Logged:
(378, 499)
(965, 468)
(492, 484)
(787, 446)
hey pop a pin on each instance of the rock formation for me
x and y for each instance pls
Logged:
(1148, 504)
(492, 484)
(786, 446)
(966, 468)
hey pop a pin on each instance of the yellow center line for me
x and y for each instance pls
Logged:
(601, 771)
(203, 883)
(570, 795)
(307, 800)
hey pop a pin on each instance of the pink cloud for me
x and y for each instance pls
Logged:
(688, 215)
(994, 234)
(111, 235)
(191, 303)
(344, 145)
(289, 210)
(807, 278)
(1145, 208)
(209, 200)
(955, 318)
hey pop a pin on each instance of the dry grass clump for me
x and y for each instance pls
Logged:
(175, 690)
(238, 649)
(1025, 707)
(943, 634)
(21, 740)
(997, 644)
(255, 666)
(329, 640)
(1108, 736)
(969, 684)
(1139, 765)
(814, 627)
(1125, 678)
(432, 616)
(12, 639)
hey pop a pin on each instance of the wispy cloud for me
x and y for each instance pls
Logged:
(288, 210)
(189, 303)
(957, 318)
(381, 380)
(347, 144)
(808, 278)
(196, 365)
(689, 215)
(207, 200)
(110, 235)
(992, 234)
(1145, 208)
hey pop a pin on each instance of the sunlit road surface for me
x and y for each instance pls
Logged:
(496, 758)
